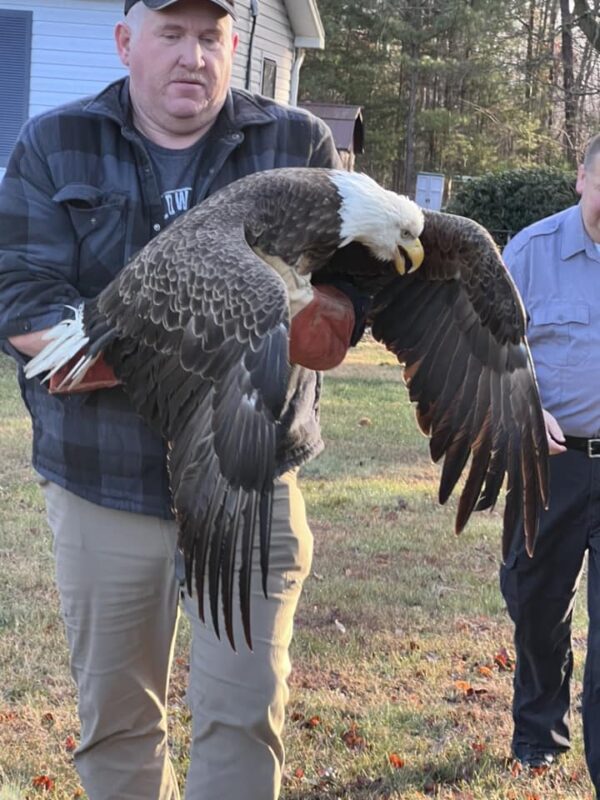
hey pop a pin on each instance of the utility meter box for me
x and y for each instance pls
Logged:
(430, 190)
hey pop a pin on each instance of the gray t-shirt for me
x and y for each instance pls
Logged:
(175, 172)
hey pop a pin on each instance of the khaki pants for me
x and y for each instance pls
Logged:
(120, 602)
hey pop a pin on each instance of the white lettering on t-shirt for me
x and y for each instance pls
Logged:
(176, 201)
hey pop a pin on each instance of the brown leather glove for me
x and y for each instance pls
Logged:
(98, 376)
(320, 333)
(319, 339)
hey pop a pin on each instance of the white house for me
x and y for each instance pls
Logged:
(53, 51)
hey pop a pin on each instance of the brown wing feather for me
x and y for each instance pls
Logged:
(458, 327)
(196, 326)
(210, 375)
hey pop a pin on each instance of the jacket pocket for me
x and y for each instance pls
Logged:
(99, 224)
(560, 332)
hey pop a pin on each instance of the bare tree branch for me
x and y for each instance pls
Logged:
(587, 21)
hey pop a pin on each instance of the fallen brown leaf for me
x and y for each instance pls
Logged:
(352, 738)
(48, 719)
(539, 771)
(43, 782)
(464, 687)
(503, 661)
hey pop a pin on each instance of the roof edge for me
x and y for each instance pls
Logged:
(306, 23)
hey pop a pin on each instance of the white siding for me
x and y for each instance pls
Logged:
(72, 48)
(73, 51)
(273, 38)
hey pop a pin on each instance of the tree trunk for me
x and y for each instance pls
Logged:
(586, 19)
(570, 130)
(529, 68)
(408, 177)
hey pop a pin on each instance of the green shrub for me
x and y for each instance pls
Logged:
(506, 202)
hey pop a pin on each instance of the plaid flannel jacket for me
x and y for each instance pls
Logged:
(78, 200)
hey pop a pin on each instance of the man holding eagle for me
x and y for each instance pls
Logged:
(184, 387)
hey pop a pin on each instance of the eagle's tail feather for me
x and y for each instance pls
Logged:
(66, 340)
(77, 372)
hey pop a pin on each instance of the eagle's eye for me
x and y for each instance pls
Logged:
(406, 234)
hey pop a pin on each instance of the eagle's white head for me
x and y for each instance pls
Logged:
(385, 222)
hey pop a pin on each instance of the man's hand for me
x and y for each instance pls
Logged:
(30, 344)
(554, 434)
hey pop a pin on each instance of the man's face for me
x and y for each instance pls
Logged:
(588, 186)
(179, 63)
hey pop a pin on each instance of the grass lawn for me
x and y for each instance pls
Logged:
(403, 651)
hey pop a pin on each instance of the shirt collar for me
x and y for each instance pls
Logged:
(575, 239)
(113, 102)
(239, 111)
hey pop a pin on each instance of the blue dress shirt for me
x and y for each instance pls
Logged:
(556, 267)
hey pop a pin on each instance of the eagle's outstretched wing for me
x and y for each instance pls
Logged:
(196, 327)
(458, 327)
(210, 374)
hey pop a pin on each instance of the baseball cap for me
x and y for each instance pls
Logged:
(157, 5)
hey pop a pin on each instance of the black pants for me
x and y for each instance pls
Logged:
(540, 595)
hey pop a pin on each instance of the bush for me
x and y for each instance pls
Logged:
(506, 202)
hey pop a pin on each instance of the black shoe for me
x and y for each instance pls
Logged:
(538, 760)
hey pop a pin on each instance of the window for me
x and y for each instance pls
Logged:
(15, 46)
(269, 77)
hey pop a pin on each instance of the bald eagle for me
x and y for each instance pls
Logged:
(196, 326)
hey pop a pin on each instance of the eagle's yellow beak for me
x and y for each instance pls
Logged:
(415, 254)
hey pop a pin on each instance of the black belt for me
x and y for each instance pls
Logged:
(590, 447)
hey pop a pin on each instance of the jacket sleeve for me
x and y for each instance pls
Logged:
(38, 245)
(323, 150)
